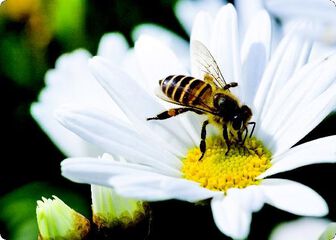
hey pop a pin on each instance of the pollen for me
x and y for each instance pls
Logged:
(220, 171)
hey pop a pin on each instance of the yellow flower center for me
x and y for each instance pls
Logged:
(219, 171)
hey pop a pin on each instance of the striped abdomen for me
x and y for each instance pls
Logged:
(184, 89)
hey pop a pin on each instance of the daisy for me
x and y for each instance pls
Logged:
(288, 97)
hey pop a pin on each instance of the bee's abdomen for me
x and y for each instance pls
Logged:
(184, 89)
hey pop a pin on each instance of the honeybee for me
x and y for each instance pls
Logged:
(210, 96)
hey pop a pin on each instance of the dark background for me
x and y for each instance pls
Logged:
(30, 162)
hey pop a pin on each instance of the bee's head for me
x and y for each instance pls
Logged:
(240, 120)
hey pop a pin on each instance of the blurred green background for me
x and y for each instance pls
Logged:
(34, 33)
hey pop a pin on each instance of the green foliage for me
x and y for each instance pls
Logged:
(68, 20)
(19, 61)
(17, 209)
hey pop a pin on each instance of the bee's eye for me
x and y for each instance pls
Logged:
(237, 123)
(246, 113)
(219, 100)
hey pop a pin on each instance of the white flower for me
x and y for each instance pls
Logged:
(289, 98)
(300, 229)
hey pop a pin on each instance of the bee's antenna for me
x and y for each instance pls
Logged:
(254, 124)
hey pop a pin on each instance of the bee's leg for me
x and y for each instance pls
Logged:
(172, 113)
(203, 137)
(246, 150)
(226, 138)
(254, 124)
(240, 137)
(230, 85)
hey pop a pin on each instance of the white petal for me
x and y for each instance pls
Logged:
(324, 31)
(293, 197)
(69, 82)
(69, 143)
(137, 186)
(72, 82)
(99, 171)
(186, 10)
(156, 61)
(312, 9)
(321, 50)
(255, 54)
(310, 116)
(138, 106)
(113, 46)
(247, 10)
(289, 56)
(249, 198)
(132, 180)
(116, 137)
(300, 229)
(179, 46)
(230, 218)
(304, 87)
(202, 30)
(131, 66)
(288, 99)
(225, 45)
(322, 150)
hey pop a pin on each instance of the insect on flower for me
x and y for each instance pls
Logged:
(210, 96)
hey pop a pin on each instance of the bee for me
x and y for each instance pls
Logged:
(210, 96)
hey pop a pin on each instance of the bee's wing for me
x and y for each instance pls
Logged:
(201, 106)
(204, 63)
